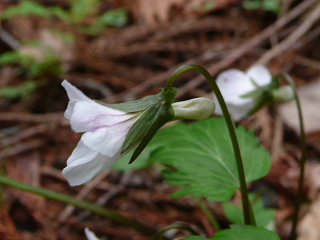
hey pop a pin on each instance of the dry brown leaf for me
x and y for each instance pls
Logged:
(25, 168)
(153, 12)
(7, 227)
(309, 225)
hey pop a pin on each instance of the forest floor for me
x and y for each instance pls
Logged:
(132, 61)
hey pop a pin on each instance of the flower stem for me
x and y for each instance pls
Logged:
(293, 234)
(247, 209)
(80, 204)
(209, 214)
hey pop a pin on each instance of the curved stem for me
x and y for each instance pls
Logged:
(303, 160)
(208, 213)
(79, 203)
(247, 209)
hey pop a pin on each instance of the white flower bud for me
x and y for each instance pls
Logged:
(197, 108)
(284, 93)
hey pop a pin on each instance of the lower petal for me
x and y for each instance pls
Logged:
(237, 111)
(234, 83)
(79, 172)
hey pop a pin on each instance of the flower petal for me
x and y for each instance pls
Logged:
(84, 169)
(234, 83)
(74, 95)
(237, 112)
(88, 116)
(90, 235)
(260, 74)
(107, 140)
(81, 154)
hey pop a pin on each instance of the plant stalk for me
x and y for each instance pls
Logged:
(303, 159)
(80, 204)
(208, 213)
(247, 209)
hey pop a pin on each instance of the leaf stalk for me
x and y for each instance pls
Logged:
(303, 159)
(246, 205)
(79, 203)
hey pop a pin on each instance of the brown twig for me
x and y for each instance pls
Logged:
(253, 42)
(29, 117)
(293, 37)
(24, 134)
(83, 192)
(16, 149)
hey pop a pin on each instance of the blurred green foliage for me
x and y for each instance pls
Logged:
(21, 91)
(77, 13)
(267, 5)
(41, 58)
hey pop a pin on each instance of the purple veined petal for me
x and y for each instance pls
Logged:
(88, 116)
(107, 140)
(260, 74)
(234, 83)
(83, 170)
(74, 95)
(90, 235)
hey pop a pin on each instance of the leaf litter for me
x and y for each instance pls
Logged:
(131, 62)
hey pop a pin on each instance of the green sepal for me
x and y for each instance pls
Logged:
(135, 106)
(164, 114)
(150, 121)
(254, 93)
(264, 99)
(263, 95)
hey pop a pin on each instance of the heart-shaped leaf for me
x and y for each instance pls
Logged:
(202, 157)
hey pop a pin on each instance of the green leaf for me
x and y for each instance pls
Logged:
(245, 233)
(22, 90)
(202, 155)
(194, 238)
(264, 216)
(267, 5)
(26, 8)
(115, 18)
(81, 9)
(240, 233)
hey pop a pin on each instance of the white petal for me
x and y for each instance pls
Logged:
(233, 84)
(81, 154)
(260, 74)
(238, 111)
(107, 140)
(90, 235)
(74, 95)
(88, 116)
(83, 170)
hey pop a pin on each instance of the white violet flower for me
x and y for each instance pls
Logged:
(90, 235)
(234, 84)
(112, 130)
